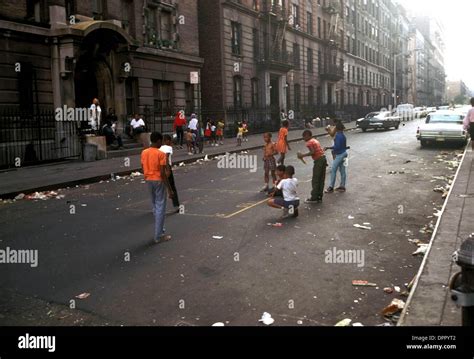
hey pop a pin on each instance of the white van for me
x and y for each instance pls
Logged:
(405, 112)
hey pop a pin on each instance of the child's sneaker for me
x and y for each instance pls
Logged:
(341, 189)
(190, 153)
(329, 190)
(285, 213)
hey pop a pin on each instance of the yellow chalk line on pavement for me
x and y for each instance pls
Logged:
(245, 209)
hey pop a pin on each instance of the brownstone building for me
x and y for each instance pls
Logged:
(312, 58)
(135, 56)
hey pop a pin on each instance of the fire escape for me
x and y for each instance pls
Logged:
(274, 56)
(330, 70)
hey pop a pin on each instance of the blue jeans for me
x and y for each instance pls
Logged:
(338, 164)
(158, 202)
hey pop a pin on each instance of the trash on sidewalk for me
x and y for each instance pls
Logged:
(363, 283)
(357, 324)
(20, 196)
(395, 306)
(41, 195)
(388, 290)
(206, 158)
(343, 323)
(422, 248)
(182, 164)
(350, 217)
(267, 319)
(83, 295)
(217, 237)
(277, 224)
(397, 289)
(362, 227)
(135, 174)
(218, 324)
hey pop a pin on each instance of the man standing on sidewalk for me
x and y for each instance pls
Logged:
(319, 166)
(156, 172)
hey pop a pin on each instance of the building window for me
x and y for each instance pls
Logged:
(128, 17)
(319, 27)
(162, 97)
(189, 93)
(309, 60)
(297, 97)
(236, 38)
(37, 11)
(310, 96)
(295, 9)
(98, 9)
(309, 22)
(237, 91)
(256, 44)
(296, 56)
(255, 97)
(131, 93)
(324, 29)
(160, 29)
(256, 5)
(320, 61)
(25, 86)
(70, 6)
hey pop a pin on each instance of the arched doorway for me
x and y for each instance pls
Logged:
(97, 68)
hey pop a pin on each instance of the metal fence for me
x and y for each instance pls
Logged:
(32, 137)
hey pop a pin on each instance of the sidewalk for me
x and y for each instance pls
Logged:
(57, 175)
(429, 303)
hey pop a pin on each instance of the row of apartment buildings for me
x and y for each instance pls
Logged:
(255, 58)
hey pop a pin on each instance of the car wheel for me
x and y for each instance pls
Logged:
(423, 143)
(364, 129)
(397, 126)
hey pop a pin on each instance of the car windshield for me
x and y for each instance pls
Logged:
(444, 118)
(372, 114)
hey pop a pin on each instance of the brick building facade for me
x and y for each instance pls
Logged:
(135, 56)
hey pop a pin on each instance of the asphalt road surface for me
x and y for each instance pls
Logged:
(106, 249)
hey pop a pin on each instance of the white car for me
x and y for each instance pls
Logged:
(442, 126)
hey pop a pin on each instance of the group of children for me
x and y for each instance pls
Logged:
(242, 131)
(284, 192)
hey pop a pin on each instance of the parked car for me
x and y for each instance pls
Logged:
(376, 120)
(405, 112)
(442, 126)
(420, 112)
(430, 110)
(463, 110)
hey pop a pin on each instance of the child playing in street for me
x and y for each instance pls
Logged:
(240, 133)
(280, 172)
(190, 138)
(282, 145)
(290, 201)
(220, 131)
(319, 166)
(246, 130)
(269, 163)
(213, 134)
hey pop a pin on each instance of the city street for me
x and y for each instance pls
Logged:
(106, 248)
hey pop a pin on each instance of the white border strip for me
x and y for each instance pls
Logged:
(425, 258)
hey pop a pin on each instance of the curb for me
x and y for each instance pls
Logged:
(98, 178)
(425, 258)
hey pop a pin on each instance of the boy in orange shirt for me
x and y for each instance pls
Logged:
(156, 172)
(282, 145)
